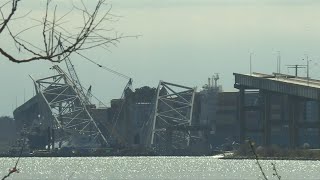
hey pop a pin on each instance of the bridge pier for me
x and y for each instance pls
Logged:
(293, 113)
(288, 109)
(245, 109)
(318, 119)
(297, 119)
(241, 114)
(266, 96)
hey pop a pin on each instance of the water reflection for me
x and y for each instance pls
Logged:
(155, 168)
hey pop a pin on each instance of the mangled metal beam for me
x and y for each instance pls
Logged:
(68, 110)
(173, 110)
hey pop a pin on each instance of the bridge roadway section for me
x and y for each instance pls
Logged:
(291, 92)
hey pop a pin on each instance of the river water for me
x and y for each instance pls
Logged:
(155, 168)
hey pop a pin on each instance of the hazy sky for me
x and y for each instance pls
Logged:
(184, 42)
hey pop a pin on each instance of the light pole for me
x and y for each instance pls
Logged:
(279, 63)
(307, 59)
(308, 68)
(251, 63)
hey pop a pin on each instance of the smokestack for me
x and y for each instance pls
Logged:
(212, 79)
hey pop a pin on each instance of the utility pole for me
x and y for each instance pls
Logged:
(296, 67)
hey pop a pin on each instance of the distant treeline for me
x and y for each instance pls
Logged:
(7, 132)
(7, 128)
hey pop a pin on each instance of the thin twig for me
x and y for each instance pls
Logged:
(7, 20)
(257, 159)
(275, 171)
(14, 169)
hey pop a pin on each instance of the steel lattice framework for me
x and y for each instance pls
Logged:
(67, 110)
(173, 111)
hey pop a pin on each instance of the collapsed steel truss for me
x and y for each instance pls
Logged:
(173, 111)
(67, 110)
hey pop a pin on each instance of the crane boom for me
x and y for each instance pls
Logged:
(74, 77)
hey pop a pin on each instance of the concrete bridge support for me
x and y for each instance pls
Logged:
(290, 114)
(293, 114)
(244, 109)
(241, 115)
(266, 106)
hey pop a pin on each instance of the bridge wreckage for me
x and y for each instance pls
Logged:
(61, 114)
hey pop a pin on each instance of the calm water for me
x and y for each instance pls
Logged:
(155, 168)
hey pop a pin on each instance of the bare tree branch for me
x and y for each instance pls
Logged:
(54, 32)
(13, 10)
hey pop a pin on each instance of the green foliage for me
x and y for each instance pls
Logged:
(144, 94)
(6, 118)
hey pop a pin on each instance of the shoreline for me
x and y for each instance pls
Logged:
(269, 158)
(228, 157)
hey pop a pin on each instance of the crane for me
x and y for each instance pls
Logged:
(74, 77)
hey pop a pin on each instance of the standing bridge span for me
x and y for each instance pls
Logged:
(284, 103)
